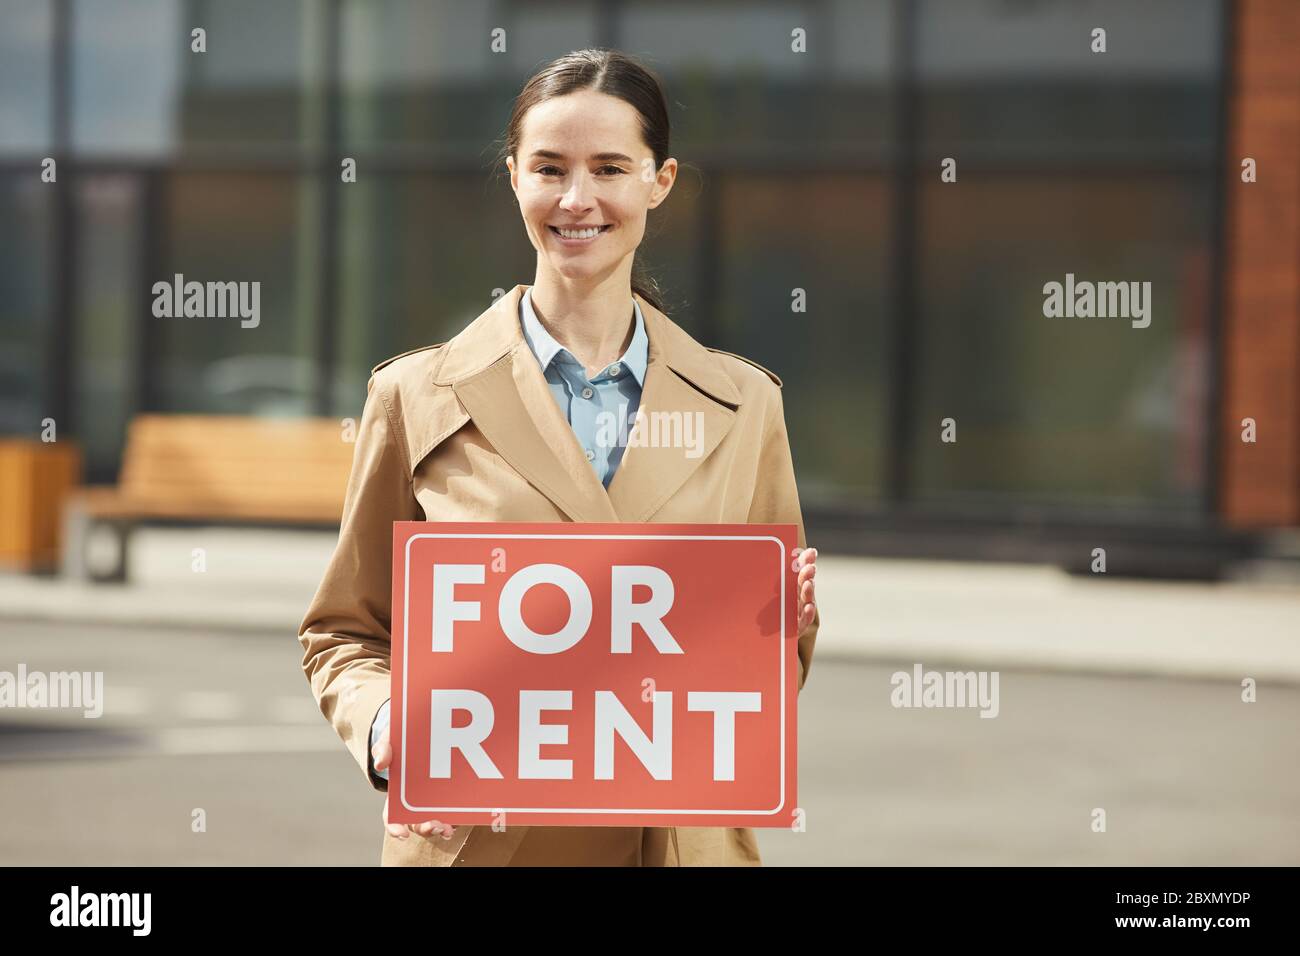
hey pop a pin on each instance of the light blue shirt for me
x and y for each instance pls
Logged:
(600, 410)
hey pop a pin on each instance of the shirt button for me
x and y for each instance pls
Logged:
(587, 392)
(613, 369)
(590, 454)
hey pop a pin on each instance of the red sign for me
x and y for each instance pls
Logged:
(574, 674)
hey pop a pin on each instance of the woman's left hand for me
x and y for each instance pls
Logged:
(805, 562)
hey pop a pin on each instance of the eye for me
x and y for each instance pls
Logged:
(610, 168)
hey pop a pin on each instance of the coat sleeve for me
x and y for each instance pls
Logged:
(776, 501)
(345, 634)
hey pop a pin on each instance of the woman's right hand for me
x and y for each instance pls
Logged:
(382, 753)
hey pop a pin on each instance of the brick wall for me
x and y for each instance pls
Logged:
(1260, 483)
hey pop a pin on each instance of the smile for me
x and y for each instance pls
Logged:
(578, 237)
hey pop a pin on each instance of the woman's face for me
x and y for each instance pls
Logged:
(581, 162)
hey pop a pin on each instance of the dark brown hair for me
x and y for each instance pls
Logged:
(614, 73)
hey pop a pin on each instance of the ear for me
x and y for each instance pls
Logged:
(664, 182)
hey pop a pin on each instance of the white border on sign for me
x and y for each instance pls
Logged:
(406, 671)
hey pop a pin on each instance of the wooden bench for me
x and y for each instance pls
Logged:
(211, 469)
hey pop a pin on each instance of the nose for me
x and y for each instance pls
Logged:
(577, 198)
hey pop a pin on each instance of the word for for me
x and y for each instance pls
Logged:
(624, 613)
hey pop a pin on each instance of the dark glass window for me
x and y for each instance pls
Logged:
(27, 212)
(1099, 165)
(816, 171)
(240, 228)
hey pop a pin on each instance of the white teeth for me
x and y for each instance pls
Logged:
(579, 233)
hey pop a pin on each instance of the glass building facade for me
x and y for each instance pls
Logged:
(817, 171)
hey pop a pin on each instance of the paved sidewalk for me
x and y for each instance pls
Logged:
(977, 615)
(252, 581)
(1032, 617)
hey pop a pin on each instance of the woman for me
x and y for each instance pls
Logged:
(505, 422)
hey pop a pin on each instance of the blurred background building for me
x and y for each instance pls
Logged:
(816, 171)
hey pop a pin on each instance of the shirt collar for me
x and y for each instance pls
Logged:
(546, 349)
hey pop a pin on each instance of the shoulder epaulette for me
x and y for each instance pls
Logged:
(389, 361)
(770, 374)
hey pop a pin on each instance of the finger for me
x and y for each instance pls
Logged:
(394, 829)
(806, 556)
(806, 592)
(430, 827)
(382, 752)
(806, 573)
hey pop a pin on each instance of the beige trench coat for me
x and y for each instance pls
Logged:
(468, 431)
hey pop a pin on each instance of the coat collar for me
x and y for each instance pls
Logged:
(497, 332)
(501, 387)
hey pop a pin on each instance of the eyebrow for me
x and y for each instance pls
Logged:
(602, 157)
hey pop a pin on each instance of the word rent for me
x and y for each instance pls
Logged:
(611, 717)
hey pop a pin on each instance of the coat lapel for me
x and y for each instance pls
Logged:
(498, 381)
(687, 394)
(512, 406)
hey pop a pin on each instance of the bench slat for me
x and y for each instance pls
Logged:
(221, 466)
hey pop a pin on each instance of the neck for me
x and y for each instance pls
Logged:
(594, 321)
